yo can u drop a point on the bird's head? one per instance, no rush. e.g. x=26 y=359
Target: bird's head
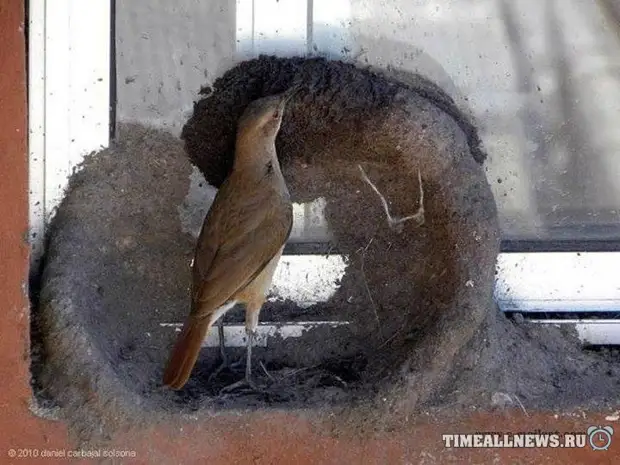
x=262 y=117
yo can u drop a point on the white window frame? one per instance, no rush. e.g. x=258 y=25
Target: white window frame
x=68 y=99
x=69 y=117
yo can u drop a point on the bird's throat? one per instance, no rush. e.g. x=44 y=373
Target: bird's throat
x=254 y=153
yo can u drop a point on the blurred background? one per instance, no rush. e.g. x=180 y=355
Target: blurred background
x=541 y=79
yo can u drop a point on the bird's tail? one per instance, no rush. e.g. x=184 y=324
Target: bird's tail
x=185 y=352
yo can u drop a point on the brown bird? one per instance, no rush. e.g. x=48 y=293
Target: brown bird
x=241 y=240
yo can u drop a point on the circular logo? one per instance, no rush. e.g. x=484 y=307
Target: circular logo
x=600 y=437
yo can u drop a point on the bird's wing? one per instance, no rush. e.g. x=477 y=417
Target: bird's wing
x=238 y=240
x=208 y=240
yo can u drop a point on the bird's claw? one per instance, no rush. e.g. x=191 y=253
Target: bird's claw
x=225 y=366
x=248 y=383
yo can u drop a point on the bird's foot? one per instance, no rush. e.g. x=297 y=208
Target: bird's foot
x=225 y=365
x=246 y=385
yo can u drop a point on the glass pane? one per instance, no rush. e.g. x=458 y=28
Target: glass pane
x=542 y=80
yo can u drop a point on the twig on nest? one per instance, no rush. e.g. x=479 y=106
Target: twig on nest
x=397 y=223
x=372 y=301
x=265 y=370
x=521 y=405
x=392 y=337
x=339 y=379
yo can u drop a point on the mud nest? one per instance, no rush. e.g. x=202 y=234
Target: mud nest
x=419 y=292
x=422 y=324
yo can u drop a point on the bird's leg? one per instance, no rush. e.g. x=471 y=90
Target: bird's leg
x=247 y=381
x=251 y=323
x=220 y=333
x=225 y=362
x=254 y=296
x=251 y=320
x=248 y=360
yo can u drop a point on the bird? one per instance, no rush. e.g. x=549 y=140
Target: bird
x=241 y=240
